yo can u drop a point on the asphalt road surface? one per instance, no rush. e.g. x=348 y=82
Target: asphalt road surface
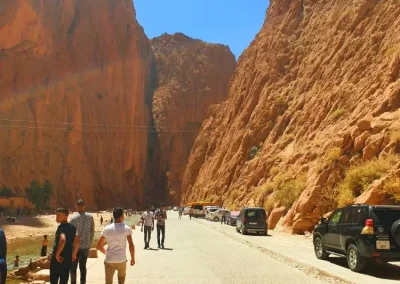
x=197 y=254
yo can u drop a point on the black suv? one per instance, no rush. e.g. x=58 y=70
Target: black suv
x=252 y=220
x=362 y=233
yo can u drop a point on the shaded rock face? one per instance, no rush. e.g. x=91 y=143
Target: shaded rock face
x=76 y=81
x=315 y=71
x=192 y=75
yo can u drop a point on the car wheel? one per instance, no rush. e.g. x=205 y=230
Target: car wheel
x=216 y=219
x=237 y=230
x=265 y=233
x=319 y=250
x=355 y=261
x=243 y=231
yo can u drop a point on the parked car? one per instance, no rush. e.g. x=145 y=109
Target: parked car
x=209 y=211
x=362 y=233
x=176 y=208
x=232 y=218
x=252 y=220
x=186 y=210
x=216 y=216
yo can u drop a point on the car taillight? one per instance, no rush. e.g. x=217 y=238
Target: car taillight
x=369 y=227
x=244 y=220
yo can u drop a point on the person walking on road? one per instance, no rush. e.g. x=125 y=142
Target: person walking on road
x=65 y=249
x=116 y=234
x=223 y=216
x=148 y=224
x=161 y=216
x=84 y=224
x=180 y=212
x=3 y=257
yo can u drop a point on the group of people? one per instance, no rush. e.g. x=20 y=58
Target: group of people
x=73 y=241
x=147 y=221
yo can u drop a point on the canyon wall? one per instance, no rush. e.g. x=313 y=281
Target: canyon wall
x=315 y=95
x=192 y=75
x=77 y=79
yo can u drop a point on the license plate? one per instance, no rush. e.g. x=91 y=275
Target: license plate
x=253 y=223
x=383 y=244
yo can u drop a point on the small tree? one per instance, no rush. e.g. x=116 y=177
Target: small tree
x=7 y=192
x=39 y=195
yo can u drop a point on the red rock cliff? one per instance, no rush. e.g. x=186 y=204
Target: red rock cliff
x=75 y=97
x=300 y=89
x=192 y=75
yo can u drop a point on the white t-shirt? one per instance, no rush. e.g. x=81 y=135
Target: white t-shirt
x=116 y=234
x=148 y=218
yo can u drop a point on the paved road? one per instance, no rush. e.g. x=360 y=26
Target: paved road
x=200 y=254
x=298 y=252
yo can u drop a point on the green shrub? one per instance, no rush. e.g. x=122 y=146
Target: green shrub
x=274 y=171
x=253 y=151
x=392 y=188
x=289 y=190
x=269 y=205
x=332 y=155
x=337 y=113
x=360 y=177
x=328 y=198
x=281 y=104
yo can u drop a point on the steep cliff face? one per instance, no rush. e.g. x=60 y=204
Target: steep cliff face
x=315 y=93
x=192 y=75
x=75 y=99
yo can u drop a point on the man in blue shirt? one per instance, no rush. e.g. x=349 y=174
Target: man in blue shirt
x=3 y=257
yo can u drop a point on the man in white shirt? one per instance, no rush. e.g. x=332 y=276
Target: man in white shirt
x=116 y=235
x=148 y=224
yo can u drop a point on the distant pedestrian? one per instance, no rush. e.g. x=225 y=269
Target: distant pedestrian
x=43 y=251
x=223 y=216
x=117 y=235
x=3 y=257
x=147 y=221
x=65 y=249
x=161 y=216
x=101 y=220
x=84 y=224
x=180 y=212
x=16 y=261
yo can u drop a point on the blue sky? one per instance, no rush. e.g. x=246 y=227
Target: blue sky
x=234 y=22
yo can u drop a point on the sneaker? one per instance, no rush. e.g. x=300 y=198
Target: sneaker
x=162 y=247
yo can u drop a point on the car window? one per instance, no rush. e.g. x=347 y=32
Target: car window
x=255 y=213
x=198 y=207
x=335 y=218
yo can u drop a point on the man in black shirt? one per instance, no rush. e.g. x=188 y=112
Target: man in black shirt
x=65 y=249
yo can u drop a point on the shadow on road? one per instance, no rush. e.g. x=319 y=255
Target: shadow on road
x=382 y=271
x=167 y=249
x=154 y=249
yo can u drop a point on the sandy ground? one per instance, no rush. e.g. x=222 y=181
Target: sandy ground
x=42 y=225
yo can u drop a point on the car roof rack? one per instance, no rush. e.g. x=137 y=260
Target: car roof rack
x=358 y=204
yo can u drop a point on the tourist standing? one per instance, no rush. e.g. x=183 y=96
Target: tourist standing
x=43 y=251
x=101 y=220
x=116 y=234
x=223 y=216
x=84 y=224
x=161 y=216
x=3 y=257
x=65 y=249
x=148 y=224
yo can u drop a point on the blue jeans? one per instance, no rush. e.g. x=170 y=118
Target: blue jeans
x=3 y=271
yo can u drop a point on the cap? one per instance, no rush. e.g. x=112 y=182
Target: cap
x=80 y=202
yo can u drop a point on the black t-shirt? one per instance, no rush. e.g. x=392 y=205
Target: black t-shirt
x=69 y=231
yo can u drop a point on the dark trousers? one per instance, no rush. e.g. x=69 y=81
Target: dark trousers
x=81 y=258
x=223 y=219
x=147 y=235
x=59 y=271
x=160 y=230
x=3 y=271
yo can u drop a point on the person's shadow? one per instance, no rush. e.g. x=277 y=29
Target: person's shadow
x=167 y=249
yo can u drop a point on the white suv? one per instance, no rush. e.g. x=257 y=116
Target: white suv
x=216 y=216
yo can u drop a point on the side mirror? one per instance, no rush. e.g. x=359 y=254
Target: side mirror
x=324 y=221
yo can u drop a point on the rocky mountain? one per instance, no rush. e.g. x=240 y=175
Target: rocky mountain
x=77 y=79
x=192 y=75
x=312 y=119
